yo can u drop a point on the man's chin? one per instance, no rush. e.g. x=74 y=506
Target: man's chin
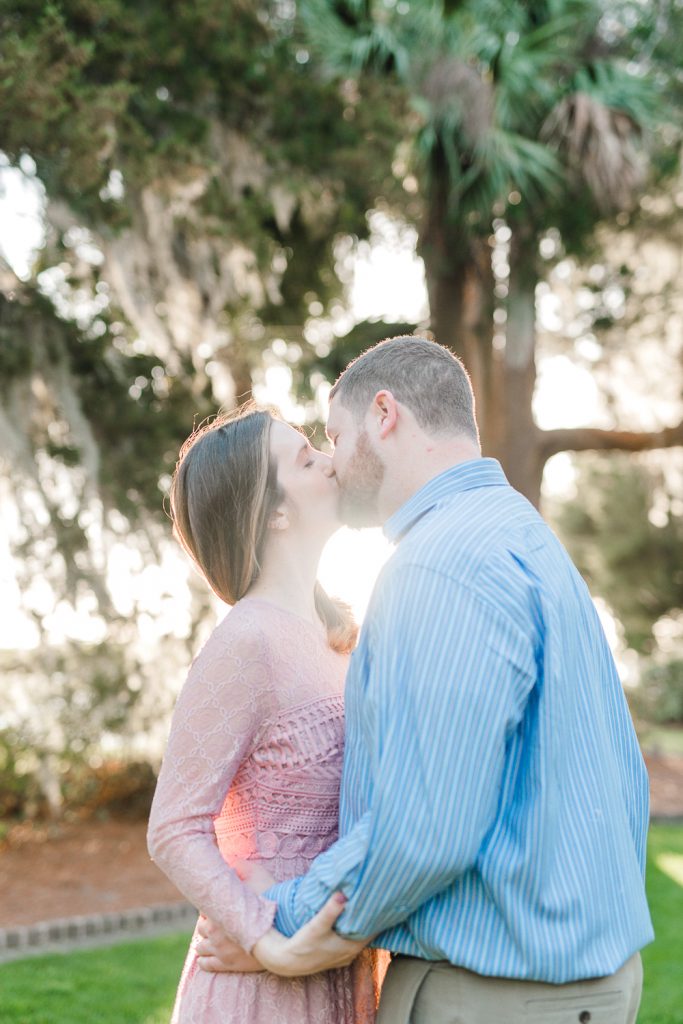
x=359 y=517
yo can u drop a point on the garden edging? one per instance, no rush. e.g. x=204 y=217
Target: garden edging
x=66 y=934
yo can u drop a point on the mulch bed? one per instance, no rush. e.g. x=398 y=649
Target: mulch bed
x=95 y=867
x=81 y=867
x=666 y=785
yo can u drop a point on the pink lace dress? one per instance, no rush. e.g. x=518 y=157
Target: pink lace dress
x=252 y=770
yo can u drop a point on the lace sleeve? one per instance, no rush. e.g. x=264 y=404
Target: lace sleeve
x=222 y=705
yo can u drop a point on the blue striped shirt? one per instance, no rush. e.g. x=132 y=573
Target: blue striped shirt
x=494 y=802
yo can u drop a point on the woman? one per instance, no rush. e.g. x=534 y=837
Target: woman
x=253 y=762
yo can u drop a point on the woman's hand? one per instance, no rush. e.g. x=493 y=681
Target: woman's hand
x=315 y=947
x=217 y=953
x=254 y=875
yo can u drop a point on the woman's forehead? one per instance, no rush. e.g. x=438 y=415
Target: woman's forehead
x=285 y=439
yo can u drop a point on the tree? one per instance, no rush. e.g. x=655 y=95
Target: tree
x=625 y=534
x=624 y=530
x=88 y=432
x=624 y=523
x=526 y=117
x=195 y=170
x=200 y=152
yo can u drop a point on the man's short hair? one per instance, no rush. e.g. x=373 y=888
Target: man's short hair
x=423 y=375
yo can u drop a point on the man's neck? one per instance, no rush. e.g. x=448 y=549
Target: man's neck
x=424 y=464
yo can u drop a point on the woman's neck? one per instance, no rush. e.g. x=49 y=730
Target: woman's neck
x=288 y=578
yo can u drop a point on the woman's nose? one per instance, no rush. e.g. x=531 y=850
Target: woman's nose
x=328 y=469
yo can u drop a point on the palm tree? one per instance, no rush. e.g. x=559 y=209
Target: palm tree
x=524 y=115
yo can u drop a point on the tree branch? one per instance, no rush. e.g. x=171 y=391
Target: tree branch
x=581 y=439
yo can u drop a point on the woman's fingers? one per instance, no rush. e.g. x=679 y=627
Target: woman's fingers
x=324 y=920
x=224 y=955
x=212 y=965
x=314 y=947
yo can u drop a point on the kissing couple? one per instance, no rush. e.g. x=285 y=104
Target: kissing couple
x=459 y=785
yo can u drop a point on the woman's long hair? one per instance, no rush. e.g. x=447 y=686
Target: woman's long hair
x=223 y=493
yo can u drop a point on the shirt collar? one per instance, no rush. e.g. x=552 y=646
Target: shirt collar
x=466 y=476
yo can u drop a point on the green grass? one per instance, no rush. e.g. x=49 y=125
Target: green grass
x=128 y=984
x=662 y=739
x=662 y=1001
x=135 y=983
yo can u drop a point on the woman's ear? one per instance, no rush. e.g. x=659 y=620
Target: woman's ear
x=279 y=520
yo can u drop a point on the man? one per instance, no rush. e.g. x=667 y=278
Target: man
x=494 y=800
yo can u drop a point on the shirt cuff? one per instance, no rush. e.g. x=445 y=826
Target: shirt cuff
x=284 y=894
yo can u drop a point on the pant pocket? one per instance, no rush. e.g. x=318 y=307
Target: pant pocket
x=592 y=1008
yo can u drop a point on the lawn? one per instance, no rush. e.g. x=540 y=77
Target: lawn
x=127 y=984
x=134 y=983
x=663 y=960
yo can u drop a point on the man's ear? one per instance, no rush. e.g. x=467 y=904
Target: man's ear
x=384 y=411
x=279 y=520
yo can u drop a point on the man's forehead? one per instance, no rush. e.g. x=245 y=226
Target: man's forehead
x=341 y=418
x=337 y=413
x=333 y=414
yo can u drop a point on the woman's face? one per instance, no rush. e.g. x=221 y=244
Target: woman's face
x=307 y=479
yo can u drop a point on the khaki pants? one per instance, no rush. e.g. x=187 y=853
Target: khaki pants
x=427 y=992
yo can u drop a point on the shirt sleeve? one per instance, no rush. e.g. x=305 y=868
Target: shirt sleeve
x=219 y=711
x=447 y=679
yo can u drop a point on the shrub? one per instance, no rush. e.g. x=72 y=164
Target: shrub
x=659 y=697
x=20 y=792
x=118 y=788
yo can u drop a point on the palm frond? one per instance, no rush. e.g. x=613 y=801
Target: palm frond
x=527 y=165
x=598 y=144
x=347 y=49
x=509 y=96
x=599 y=127
x=381 y=37
x=617 y=85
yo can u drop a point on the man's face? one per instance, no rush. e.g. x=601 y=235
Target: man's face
x=358 y=468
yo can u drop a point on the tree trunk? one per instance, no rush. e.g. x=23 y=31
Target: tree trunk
x=516 y=441
x=460 y=286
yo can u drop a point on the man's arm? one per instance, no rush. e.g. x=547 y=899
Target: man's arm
x=449 y=678
x=315 y=947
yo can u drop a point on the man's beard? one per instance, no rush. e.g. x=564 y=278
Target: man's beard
x=359 y=488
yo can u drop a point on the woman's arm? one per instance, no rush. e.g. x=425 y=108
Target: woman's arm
x=222 y=705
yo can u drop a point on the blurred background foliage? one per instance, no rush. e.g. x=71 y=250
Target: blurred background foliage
x=206 y=177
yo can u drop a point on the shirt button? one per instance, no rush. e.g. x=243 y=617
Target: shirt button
x=584 y=1017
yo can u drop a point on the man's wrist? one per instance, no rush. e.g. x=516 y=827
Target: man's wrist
x=284 y=894
x=268 y=951
x=262 y=950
